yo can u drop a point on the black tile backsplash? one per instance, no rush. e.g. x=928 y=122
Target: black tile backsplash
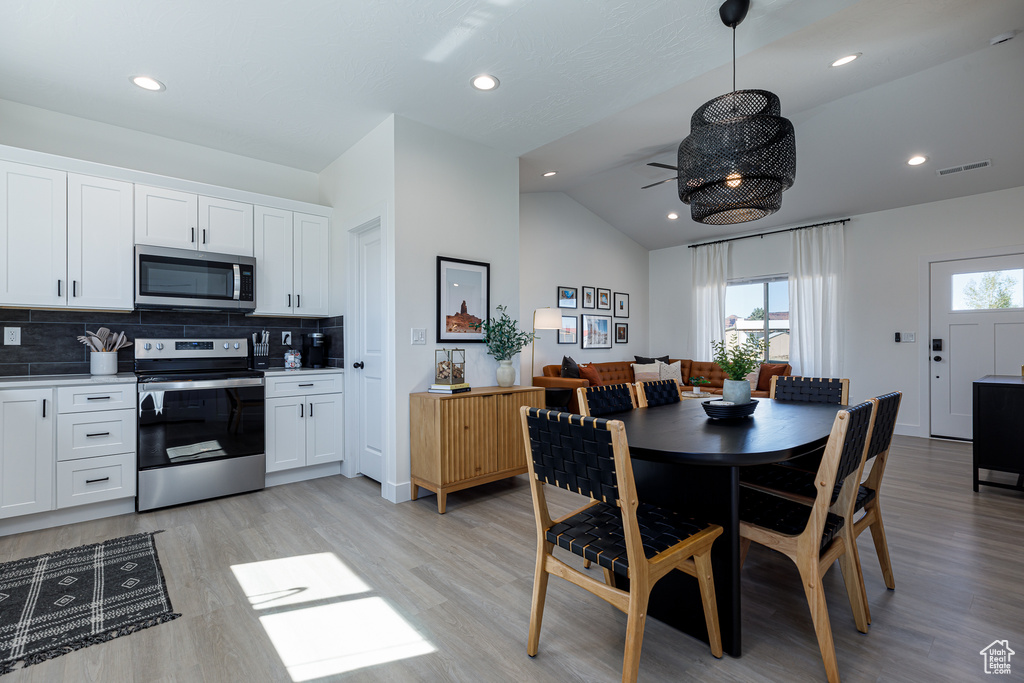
x=49 y=344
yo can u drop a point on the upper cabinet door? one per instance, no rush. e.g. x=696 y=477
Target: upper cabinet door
x=100 y=268
x=166 y=218
x=273 y=252
x=33 y=236
x=225 y=227
x=312 y=265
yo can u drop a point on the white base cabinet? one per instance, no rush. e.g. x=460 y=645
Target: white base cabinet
x=26 y=451
x=305 y=420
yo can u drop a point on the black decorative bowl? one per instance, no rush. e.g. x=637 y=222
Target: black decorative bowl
x=722 y=410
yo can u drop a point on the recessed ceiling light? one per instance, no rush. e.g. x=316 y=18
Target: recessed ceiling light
x=484 y=82
x=917 y=160
x=846 y=60
x=672 y=216
x=148 y=83
x=550 y=173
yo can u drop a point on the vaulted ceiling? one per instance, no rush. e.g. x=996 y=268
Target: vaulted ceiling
x=593 y=90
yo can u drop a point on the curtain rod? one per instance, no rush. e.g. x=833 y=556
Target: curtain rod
x=841 y=221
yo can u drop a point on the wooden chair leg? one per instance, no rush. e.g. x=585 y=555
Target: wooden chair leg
x=540 y=589
x=853 y=578
x=706 y=579
x=609 y=577
x=636 y=617
x=744 y=549
x=586 y=564
x=881 y=547
x=815 y=592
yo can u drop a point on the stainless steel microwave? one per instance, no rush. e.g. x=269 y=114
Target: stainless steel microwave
x=185 y=278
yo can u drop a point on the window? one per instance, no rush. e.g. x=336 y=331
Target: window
x=746 y=302
x=988 y=290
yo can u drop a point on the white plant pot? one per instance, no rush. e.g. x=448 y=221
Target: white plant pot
x=736 y=391
x=103 y=362
x=696 y=389
x=506 y=373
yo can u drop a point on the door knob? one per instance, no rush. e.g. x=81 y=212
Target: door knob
x=937 y=358
x=358 y=365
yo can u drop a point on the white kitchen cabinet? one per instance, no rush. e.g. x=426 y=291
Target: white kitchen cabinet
x=292 y=263
x=100 y=270
x=305 y=429
x=33 y=236
x=225 y=227
x=26 y=451
x=166 y=218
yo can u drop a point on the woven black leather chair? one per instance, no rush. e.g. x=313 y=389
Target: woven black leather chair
x=590 y=456
x=813 y=536
x=606 y=399
x=659 y=393
x=810 y=389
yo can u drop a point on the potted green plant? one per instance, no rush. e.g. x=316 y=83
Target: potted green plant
x=737 y=362
x=698 y=382
x=504 y=339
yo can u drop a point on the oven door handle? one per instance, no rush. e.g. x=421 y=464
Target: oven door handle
x=202 y=384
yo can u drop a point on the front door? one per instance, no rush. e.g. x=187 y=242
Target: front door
x=977 y=329
x=367 y=367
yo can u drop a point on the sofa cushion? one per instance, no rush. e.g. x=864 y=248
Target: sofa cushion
x=644 y=360
x=615 y=372
x=590 y=373
x=709 y=371
x=768 y=370
x=647 y=372
x=671 y=371
x=569 y=368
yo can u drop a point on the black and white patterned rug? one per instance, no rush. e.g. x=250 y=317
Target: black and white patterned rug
x=60 y=602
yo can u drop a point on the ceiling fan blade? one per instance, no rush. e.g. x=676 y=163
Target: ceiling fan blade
x=671 y=168
x=660 y=182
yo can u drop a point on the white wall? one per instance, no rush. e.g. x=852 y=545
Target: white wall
x=47 y=131
x=563 y=243
x=885 y=253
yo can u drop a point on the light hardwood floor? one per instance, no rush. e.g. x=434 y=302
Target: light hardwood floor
x=463 y=581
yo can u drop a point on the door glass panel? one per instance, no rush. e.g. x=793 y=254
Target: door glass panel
x=988 y=290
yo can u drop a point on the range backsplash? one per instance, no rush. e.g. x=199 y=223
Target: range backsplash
x=49 y=344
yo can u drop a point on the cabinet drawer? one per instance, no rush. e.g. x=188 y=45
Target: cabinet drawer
x=96 y=479
x=88 y=435
x=95 y=397
x=304 y=385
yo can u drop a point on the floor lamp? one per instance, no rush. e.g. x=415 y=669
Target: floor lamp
x=543 y=319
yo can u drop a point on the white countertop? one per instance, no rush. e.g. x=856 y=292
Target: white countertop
x=285 y=371
x=27 y=381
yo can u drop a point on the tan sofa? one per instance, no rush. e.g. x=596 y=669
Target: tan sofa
x=617 y=372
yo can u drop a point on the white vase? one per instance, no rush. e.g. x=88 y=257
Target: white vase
x=103 y=362
x=736 y=391
x=506 y=373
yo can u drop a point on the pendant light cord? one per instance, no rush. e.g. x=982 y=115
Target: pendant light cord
x=734 y=59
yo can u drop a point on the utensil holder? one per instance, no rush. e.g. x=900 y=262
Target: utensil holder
x=103 y=362
x=261 y=356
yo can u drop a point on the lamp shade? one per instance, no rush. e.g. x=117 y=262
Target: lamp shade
x=547 y=319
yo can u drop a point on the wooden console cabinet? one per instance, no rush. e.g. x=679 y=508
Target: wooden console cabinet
x=467 y=439
x=998 y=434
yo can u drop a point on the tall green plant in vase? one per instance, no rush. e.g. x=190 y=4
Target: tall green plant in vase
x=504 y=339
x=737 y=362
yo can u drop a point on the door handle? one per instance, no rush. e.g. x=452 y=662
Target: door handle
x=298 y=301
x=937 y=358
x=193 y=235
x=302 y=410
x=74 y=288
x=204 y=236
x=358 y=365
x=44 y=407
x=289 y=301
x=311 y=410
x=58 y=287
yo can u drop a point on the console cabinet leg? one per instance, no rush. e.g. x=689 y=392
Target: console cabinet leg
x=414 y=490
x=442 y=500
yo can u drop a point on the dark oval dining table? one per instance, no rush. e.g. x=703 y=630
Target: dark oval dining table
x=686 y=461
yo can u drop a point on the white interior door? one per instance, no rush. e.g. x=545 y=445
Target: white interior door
x=977 y=329
x=367 y=366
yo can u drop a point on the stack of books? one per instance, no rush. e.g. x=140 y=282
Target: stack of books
x=449 y=388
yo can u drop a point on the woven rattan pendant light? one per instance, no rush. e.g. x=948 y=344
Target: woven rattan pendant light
x=740 y=155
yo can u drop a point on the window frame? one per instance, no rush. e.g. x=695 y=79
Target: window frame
x=763 y=280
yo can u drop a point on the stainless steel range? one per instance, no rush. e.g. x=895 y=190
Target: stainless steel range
x=201 y=421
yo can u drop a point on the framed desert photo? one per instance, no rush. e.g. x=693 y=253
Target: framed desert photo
x=566 y=297
x=621 y=333
x=589 y=297
x=597 y=331
x=621 y=305
x=604 y=299
x=463 y=299
x=567 y=334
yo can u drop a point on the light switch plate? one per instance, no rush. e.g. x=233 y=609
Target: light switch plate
x=12 y=336
x=909 y=337
x=418 y=335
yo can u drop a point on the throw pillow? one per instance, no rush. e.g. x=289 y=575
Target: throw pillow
x=569 y=368
x=646 y=372
x=643 y=360
x=672 y=371
x=589 y=372
x=768 y=370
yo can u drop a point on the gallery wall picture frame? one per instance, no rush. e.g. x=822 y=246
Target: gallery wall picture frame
x=597 y=331
x=621 y=333
x=604 y=299
x=589 y=297
x=567 y=333
x=567 y=297
x=463 y=299
x=620 y=306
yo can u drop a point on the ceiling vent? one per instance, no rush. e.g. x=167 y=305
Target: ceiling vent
x=965 y=167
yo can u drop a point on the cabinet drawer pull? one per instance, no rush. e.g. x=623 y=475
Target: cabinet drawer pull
x=96 y=481
x=308 y=385
x=97 y=434
x=97 y=398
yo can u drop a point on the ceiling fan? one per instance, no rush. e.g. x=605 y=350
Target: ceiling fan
x=666 y=180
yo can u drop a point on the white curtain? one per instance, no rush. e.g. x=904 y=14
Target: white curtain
x=815 y=300
x=710 y=271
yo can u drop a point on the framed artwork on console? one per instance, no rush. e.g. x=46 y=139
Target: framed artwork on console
x=604 y=299
x=621 y=309
x=621 y=333
x=567 y=333
x=463 y=299
x=597 y=331
x=589 y=297
x=566 y=297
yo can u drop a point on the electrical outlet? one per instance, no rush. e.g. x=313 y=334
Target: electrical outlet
x=419 y=335
x=286 y=338
x=12 y=336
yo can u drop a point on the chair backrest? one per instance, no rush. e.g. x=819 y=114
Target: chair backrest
x=881 y=436
x=606 y=399
x=810 y=389
x=659 y=393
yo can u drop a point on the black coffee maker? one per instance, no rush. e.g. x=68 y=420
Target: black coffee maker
x=314 y=349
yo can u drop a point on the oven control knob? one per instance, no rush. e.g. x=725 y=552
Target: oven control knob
x=159 y=347
x=147 y=346
x=236 y=345
x=225 y=345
